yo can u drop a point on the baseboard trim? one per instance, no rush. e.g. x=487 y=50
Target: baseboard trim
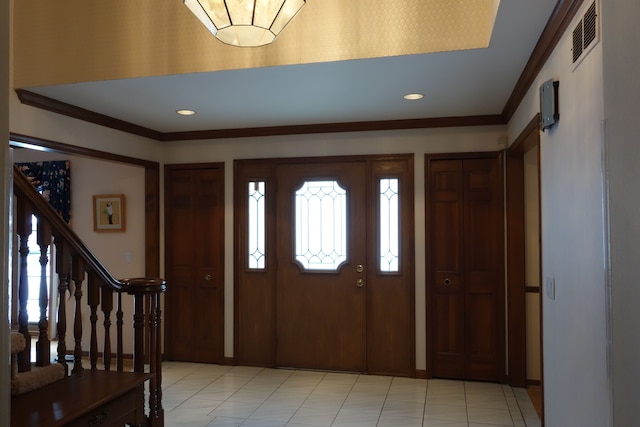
x=421 y=374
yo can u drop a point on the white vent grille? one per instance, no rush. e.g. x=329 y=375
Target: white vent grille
x=577 y=42
x=585 y=34
x=590 y=25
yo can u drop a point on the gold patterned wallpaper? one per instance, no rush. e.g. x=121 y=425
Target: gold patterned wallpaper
x=68 y=41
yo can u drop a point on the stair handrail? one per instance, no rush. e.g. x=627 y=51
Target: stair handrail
x=141 y=285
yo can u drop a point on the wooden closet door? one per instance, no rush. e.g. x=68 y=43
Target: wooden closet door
x=483 y=260
x=465 y=286
x=446 y=281
x=194 y=232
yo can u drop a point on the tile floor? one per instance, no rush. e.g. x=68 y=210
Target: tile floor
x=198 y=395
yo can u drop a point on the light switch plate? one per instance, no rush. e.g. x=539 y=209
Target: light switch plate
x=551 y=287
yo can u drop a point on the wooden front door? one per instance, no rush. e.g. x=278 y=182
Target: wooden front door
x=342 y=296
x=321 y=278
x=465 y=285
x=194 y=233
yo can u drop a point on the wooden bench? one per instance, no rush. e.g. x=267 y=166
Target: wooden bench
x=91 y=398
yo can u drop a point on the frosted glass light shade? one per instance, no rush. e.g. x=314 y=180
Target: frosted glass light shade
x=249 y=23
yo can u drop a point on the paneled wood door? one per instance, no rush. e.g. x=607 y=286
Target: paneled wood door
x=321 y=279
x=194 y=234
x=465 y=287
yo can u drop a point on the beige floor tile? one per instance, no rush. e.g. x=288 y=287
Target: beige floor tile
x=199 y=395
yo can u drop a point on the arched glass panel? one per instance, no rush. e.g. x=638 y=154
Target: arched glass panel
x=321 y=225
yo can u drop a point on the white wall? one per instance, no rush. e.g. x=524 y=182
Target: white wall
x=621 y=39
x=121 y=253
x=576 y=384
x=4 y=213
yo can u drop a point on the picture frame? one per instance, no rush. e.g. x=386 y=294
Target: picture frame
x=109 y=213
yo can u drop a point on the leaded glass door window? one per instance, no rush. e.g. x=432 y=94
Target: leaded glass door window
x=321 y=225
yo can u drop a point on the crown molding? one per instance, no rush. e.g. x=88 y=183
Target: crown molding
x=17 y=140
x=45 y=103
x=437 y=122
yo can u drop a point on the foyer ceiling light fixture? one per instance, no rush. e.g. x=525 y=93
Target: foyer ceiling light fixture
x=247 y=23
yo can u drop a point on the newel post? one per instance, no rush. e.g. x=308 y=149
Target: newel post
x=147 y=312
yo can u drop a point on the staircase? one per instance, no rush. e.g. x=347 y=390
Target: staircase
x=52 y=391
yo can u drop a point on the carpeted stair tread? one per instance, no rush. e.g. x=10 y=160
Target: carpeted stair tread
x=38 y=377
x=18 y=343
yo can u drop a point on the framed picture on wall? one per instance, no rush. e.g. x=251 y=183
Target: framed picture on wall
x=108 y=212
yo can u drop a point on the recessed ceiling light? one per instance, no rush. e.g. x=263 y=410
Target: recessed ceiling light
x=413 y=96
x=185 y=112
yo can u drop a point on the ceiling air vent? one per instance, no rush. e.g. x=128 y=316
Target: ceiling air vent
x=585 y=34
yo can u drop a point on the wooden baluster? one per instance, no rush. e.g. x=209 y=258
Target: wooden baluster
x=43 y=345
x=93 y=299
x=148 y=304
x=119 y=338
x=77 y=275
x=107 y=307
x=23 y=229
x=62 y=268
x=119 y=342
x=156 y=412
x=138 y=333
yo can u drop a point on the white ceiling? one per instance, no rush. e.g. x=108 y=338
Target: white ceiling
x=460 y=83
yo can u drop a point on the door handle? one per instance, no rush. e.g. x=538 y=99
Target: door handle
x=360 y=282
x=207 y=277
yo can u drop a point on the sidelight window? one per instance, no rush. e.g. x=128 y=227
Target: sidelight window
x=321 y=225
x=389 y=225
x=257 y=221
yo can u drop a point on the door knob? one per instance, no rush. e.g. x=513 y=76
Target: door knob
x=447 y=282
x=360 y=268
x=359 y=283
x=207 y=277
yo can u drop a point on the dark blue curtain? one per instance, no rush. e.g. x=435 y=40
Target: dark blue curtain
x=53 y=181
